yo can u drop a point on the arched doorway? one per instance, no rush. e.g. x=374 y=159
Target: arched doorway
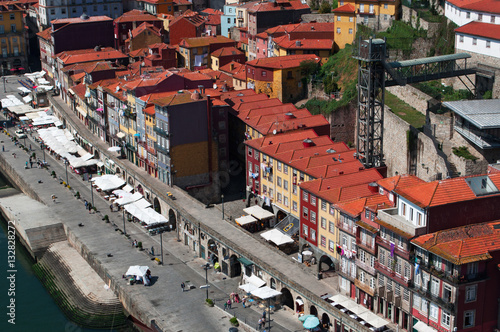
x=130 y=181
x=96 y=154
x=326 y=264
x=280 y=215
x=299 y=305
x=273 y=283
x=325 y=320
x=249 y=199
x=286 y=298
x=213 y=253
x=235 y=266
x=117 y=170
x=156 y=205
x=313 y=311
x=139 y=189
x=172 y=222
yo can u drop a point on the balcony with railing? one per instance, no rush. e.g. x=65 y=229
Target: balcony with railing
x=444 y=302
x=392 y=220
x=397 y=249
x=453 y=278
x=345 y=227
x=391 y=274
x=366 y=245
x=346 y=272
x=160 y=131
x=365 y=266
x=364 y=287
x=161 y=149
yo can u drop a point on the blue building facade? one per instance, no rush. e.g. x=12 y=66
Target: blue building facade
x=228 y=19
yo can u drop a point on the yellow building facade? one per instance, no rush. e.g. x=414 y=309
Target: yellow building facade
x=345 y=25
x=12 y=40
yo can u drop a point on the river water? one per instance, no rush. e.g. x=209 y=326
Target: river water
x=35 y=310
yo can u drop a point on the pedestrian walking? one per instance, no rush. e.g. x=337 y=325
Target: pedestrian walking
x=243 y=300
x=183 y=286
x=14 y=155
x=86 y=203
x=3 y=148
x=90 y=208
x=134 y=244
x=229 y=303
x=259 y=327
x=30 y=147
x=26 y=164
x=225 y=305
x=31 y=164
x=264 y=314
x=153 y=251
x=53 y=198
x=111 y=207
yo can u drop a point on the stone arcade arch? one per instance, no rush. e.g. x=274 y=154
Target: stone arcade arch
x=157 y=206
x=117 y=170
x=213 y=252
x=325 y=319
x=139 y=189
x=326 y=264
x=280 y=215
x=172 y=220
x=313 y=311
x=131 y=181
x=286 y=298
x=299 y=305
x=235 y=267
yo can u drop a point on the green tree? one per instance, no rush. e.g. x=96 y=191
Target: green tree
x=325 y=8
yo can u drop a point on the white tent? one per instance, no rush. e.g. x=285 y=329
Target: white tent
x=374 y=320
x=276 y=237
x=422 y=327
x=142 y=203
x=127 y=198
x=265 y=292
x=108 y=182
x=248 y=287
x=258 y=212
x=245 y=220
x=136 y=270
x=127 y=188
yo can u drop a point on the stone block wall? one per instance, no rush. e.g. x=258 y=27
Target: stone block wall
x=412 y=96
x=411 y=16
x=343 y=124
x=395 y=145
x=320 y=18
x=439 y=125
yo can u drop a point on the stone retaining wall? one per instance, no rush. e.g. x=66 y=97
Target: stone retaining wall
x=320 y=18
x=412 y=96
x=411 y=16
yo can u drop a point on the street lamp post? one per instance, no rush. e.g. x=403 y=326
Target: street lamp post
x=43 y=150
x=222 y=198
x=4 y=89
x=124 y=230
x=91 y=191
x=161 y=247
x=66 y=164
x=206 y=267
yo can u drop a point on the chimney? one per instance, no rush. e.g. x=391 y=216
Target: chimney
x=297 y=43
x=308 y=142
x=231 y=66
x=289 y=116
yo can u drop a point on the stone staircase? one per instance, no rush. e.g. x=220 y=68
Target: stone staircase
x=85 y=310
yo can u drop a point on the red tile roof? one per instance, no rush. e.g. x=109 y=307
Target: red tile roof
x=205 y=41
x=77 y=20
x=301 y=44
x=314 y=27
x=211 y=11
x=277 y=5
x=227 y=67
x=355 y=207
x=143 y=27
x=87 y=55
x=141 y=52
x=149 y=110
x=282 y=62
x=347 y=8
x=480 y=29
x=79 y=90
x=487 y=6
x=45 y=34
x=149 y=98
x=176 y=99
x=136 y=15
x=225 y=51
x=444 y=192
x=213 y=20
x=464 y=244
x=400 y=181
x=191 y=17
x=281 y=29
x=255 y=102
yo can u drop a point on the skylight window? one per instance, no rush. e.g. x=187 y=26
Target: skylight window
x=482 y=185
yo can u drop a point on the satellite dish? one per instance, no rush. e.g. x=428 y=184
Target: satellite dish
x=274 y=131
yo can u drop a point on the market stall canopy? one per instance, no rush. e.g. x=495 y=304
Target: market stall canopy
x=258 y=212
x=22 y=109
x=27 y=99
x=59 y=140
x=108 y=182
x=422 y=327
x=114 y=149
x=376 y=321
x=11 y=101
x=127 y=188
x=244 y=220
x=127 y=198
x=23 y=89
x=142 y=203
x=338 y=299
x=275 y=236
x=265 y=292
x=136 y=270
x=146 y=215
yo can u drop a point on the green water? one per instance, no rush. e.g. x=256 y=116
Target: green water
x=35 y=310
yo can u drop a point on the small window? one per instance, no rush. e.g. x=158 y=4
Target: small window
x=351 y=19
x=305 y=213
x=12 y=16
x=338 y=30
x=386 y=6
x=461 y=39
x=350 y=31
x=479 y=17
x=338 y=18
x=323 y=241
x=468 y=15
x=469 y=318
x=492 y=19
x=474 y=41
x=470 y=293
x=488 y=44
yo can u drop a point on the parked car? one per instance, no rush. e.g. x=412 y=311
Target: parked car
x=20 y=134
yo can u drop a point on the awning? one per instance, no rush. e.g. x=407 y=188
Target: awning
x=120 y=135
x=245 y=220
x=276 y=237
x=338 y=299
x=81 y=111
x=299 y=302
x=127 y=188
x=244 y=261
x=374 y=320
x=265 y=292
x=142 y=203
x=100 y=164
x=422 y=327
x=248 y=287
x=254 y=280
x=258 y=212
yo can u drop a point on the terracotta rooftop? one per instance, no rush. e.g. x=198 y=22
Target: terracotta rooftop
x=448 y=191
x=227 y=67
x=190 y=17
x=347 y=8
x=213 y=20
x=87 y=55
x=282 y=62
x=141 y=52
x=355 y=207
x=149 y=98
x=211 y=11
x=488 y=6
x=277 y=5
x=143 y=27
x=205 y=41
x=79 y=90
x=255 y=102
x=136 y=15
x=481 y=29
x=150 y=110
x=300 y=44
x=77 y=20
x=281 y=29
x=175 y=99
x=314 y=27
x=464 y=244
x=225 y=51
x=45 y=34
x=400 y=181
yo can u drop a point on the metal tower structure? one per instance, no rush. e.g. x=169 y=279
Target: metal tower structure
x=374 y=74
x=371 y=87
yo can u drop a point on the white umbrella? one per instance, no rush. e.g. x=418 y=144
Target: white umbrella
x=136 y=270
x=114 y=149
x=265 y=292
